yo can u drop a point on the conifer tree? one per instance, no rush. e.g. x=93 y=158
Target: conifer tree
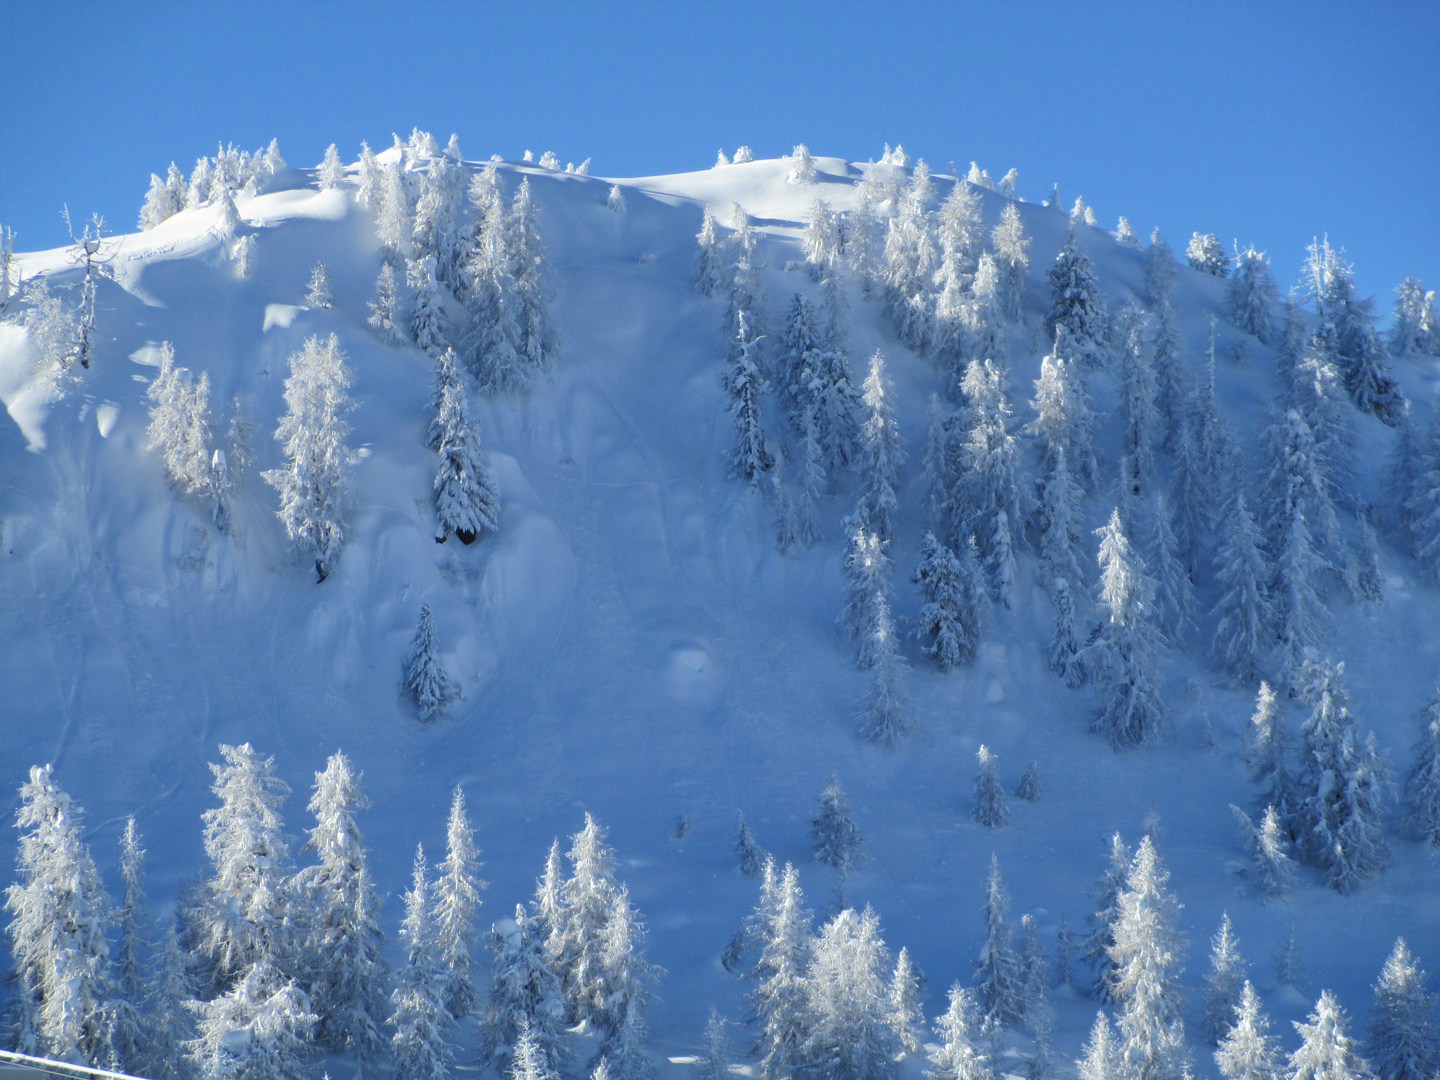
x=1137 y=405
x=745 y=386
x=386 y=310
x=750 y=857
x=1103 y=1055
x=1287 y=960
x=529 y=1061
x=1422 y=784
x=851 y=1037
x=1205 y=253
x=466 y=501
x=247 y=914
x=367 y=183
x=837 y=839
x=910 y=262
x=331 y=172
x=990 y=498
x=997 y=977
x=864 y=241
x=1065 y=416
x=747 y=296
x=779 y=1000
x=1251 y=294
x=820 y=240
x=951 y=613
x=1159 y=269
x=317 y=293
x=1243 y=619
x=903 y=1000
x=1222 y=983
x=577 y=945
x=715 y=1065
x=456 y=900
x=989 y=807
x=1266 y=845
x=259 y=1030
x=1076 y=303
x=427 y=315
x=1174 y=593
x=1125 y=234
x=394 y=213
x=1029 y=786
x=1349 y=323
x=1327 y=1051
x=1172 y=375
x=1064 y=650
x=1060 y=553
x=537 y=343
x=880 y=451
x=167 y=1019
x=180 y=425
x=1146 y=956
x=885 y=713
x=344 y=948
x=493 y=342
x=1414 y=329
x=1010 y=245
x=1247 y=1052
x=129 y=1039
x=955 y=1056
x=1101 y=939
x=314 y=483
x=622 y=988
x=1403 y=1040
x=421 y=1024
x=525 y=995
x=426 y=680
x=867 y=583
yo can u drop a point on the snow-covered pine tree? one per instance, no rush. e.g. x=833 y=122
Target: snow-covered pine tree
x=1102 y=1058
x=989 y=807
x=745 y=387
x=715 y=1063
x=998 y=989
x=387 y=309
x=180 y=425
x=466 y=501
x=864 y=239
x=1287 y=959
x=1251 y=294
x=1174 y=593
x=1422 y=783
x=910 y=263
x=1029 y=786
x=492 y=342
x=880 y=451
x=1125 y=234
x=331 y=173
x=259 y=1030
x=1065 y=416
x=1403 y=1040
x=1248 y=1052
x=525 y=995
x=314 y=482
x=1415 y=327
x=906 y=1016
x=317 y=293
x=394 y=222
x=427 y=313
x=343 y=952
x=427 y=683
x=368 y=179
x=1159 y=269
x=59 y=917
x=885 y=712
x=167 y=1020
x=867 y=585
x=622 y=988
x=1222 y=983
x=1172 y=374
x=1060 y=554
x=1266 y=844
x=1101 y=938
x=1034 y=974
x=1064 y=649
x=750 y=857
x=420 y=1045
x=577 y=941
x=1122 y=656
x=537 y=344
x=1206 y=254
x=1137 y=405
x=1268 y=749
x=1327 y=1052
x=129 y=1039
x=779 y=1000
x=820 y=240
x=1010 y=245
x=745 y=284
x=1340 y=785
x=951 y=614
x=851 y=1035
x=1146 y=956
x=837 y=839
x=1242 y=613
x=1349 y=322
x=960 y=236
x=1076 y=303
x=439 y=207
x=990 y=499
x=457 y=898
x=956 y=1057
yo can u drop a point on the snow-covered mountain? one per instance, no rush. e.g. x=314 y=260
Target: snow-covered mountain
x=631 y=642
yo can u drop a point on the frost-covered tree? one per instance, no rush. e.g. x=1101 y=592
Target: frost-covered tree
x=129 y=1039
x=1174 y=592
x=622 y=988
x=180 y=425
x=419 y=1045
x=1222 y=983
x=880 y=451
x=1348 y=322
x=1060 y=552
x=331 y=173
x=1064 y=649
x=387 y=309
x=426 y=681
x=317 y=292
x=960 y=236
x=989 y=807
x=779 y=1001
x=1242 y=613
x=259 y=1030
x=956 y=1056
x=1147 y=954
x=577 y=936
x=1287 y=960
x=750 y=857
x=1122 y=656
x=343 y=951
x=427 y=313
x=1247 y=1051
x=1251 y=294
x=867 y=585
x=910 y=262
x=989 y=504
x=466 y=502
x=167 y=1020
x=709 y=261
x=1340 y=786
x=314 y=482
x=1327 y=1052
x=59 y=918
x=1138 y=416
x=1011 y=246
x=1415 y=328
x=1266 y=844
x=903 y=1001
x=1159 y=269
x=525 y=997
x=538 y=346
x=457 y=898
x=1172 y=374
x=837 y=839
x=952 y=611
x=864 y=238
x=745 y=387
x=368 y=179
x=1102 y=1058
x=747 y=297
x=851 y=1035
x=1403 y=1039
x=394 y=214
x=1064 y=415
x=1422 y=783
x=492 y=342
x=1206 y=254
x=1029 y=786
x=885 y=713
x=1101 y=939
x=439 y=207
x=715 y=1063
x=998 y=988
x=820 y=240
x=1077 y=304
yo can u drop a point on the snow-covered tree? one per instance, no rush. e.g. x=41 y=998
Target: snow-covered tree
x=331 y=173
x=1159 y=269
x=1422 y=783
x=180 y=425
x=259 y=1030
x=1415 y=329
x=1347 y=322
x=162 y=201
x=427 y=313
x=910 y=262
x=439 y=207
x=1060 y=553
x=167 y=1020
x=1064 y=415
x=880 y=451
x=538 y=346
x=820 y=240
x=1287 y=959
x=1146 y=955
x=1327 y=1052
x=493 y=341
x=1172 y=374
x=1247 y=1051
x=368 y=180
x=466 y=502
x=129 y=1039
x=960 y=236
x=622 y=988
x=1029 y=786
x=837 y=839
x=1174 y=593
x=420 y=1046
x=394 y=214
x=426 y=681
x=1242 y=613
x=317 y=293
x=989 y=807
x=745 y=387
x=750 y=857
x=457 y=897
x=314 y=482
x=885 y=713
x=1251 y=294
x=1101 y=939
x=577 y=926
x=1064 y=649
x=989 y=504
x=998 y=988
x=1077 y=304
x=906 y=1016
x=709 y=262
x=802 y=166
x=59 y=917
x=1137 y=406
x=779 y=1001
x=1266 y=844
x=867 y=585
x=386 y=310
x=952 y=611
x=1340 y=785
x=1403 y=1039
x=955 y=1056
x=1102 y=1058
x=526 y=998
x=1011 y=246
x=1206 y=254
x=832 y=405
x=1222 y=983
x=1122 y=656
x=715 y=1062
x=851 y=1035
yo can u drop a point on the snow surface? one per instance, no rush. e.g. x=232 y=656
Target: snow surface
x=632 y=643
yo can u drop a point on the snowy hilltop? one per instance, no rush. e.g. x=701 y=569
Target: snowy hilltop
x=800 y=617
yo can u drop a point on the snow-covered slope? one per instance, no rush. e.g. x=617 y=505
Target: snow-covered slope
x=631 y=643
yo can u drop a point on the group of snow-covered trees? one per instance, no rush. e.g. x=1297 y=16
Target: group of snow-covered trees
x=264 y=967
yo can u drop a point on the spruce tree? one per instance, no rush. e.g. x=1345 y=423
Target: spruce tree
x=885 y=712
x=955 y=1056
x=128 y=1034
x=951 y=614
x=904 y=1003
x=1349 y=321
x=1064 y=650
x=1102 y=1060
x=420 y=1046
x=1422 y=784
x=997 y=977
x=745 y=387
x=779 y=1000
x=260 y=1030
x=837 y=839
x=1205 y=254
x=427 y=313
x=1060 y=552
x=1076 y=303
x=1174 y=593
x=1266 y=845
x=317 y=293
x=1065 y=416
x=880 y=451
x=466 y=502
x=1010 y=245
x=989 y=503
x=386 y=314
x=167 y=1019
x=1414 y=328
x=180 y=425
x=1327 y=1051
x=820 y=240
x=537 y=344
x=867 y=584
x=910 y=263
x=750 y=858
x=427 y=682
x=1242 y=614
x=1137 y=406
x=1222 y=983
x=1403 y=1040
x=457 y=898
x=715 y=1065
x=1159 y=269
x=1172 y=374
x=851 y=1035
x=1101 y=939
x=525 y=993
x=1248 y=1052
x=1251 y=294
x=989 y=807
x=331 y=173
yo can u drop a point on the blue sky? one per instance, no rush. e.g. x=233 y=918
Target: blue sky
x=1266 y=122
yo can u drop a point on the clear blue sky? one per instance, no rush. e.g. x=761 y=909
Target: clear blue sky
x=1268 y=122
